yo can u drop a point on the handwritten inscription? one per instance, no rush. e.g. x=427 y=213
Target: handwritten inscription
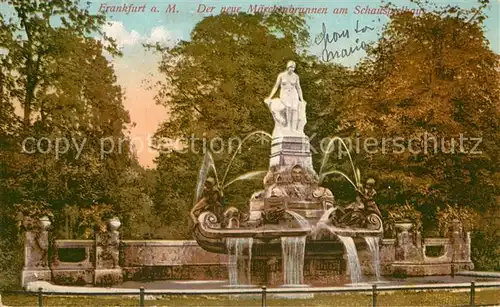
x=326 y=38
x=364 y=29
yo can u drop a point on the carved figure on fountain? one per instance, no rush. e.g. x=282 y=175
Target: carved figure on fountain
x=325 y=196
x=232 y=218
x=293 y=188
x=353 y=216
x=274 y=214
x=368 y=197
x=108 y=245
x=256 y=204
x=289 y=110
x=211 y=201
x=362 y=213
x=292 y=201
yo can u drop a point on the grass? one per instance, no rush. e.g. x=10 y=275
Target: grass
x=403 y=298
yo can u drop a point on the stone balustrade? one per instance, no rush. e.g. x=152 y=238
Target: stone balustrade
x=108 y=260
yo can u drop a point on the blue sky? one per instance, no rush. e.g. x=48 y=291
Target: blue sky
x=180 y=25
x=135 y=28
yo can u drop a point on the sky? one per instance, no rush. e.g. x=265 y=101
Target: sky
x=152 y=23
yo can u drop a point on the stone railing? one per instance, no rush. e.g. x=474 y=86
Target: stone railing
x=431 y=256
x=108 y=260
x=165 y=259
x=73 y=262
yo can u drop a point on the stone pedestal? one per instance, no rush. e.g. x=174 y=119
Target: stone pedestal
x=36 y=249
x=107 y=267
x=460 y=247
x=30 y=275
x=108 y=277
x=403 y=242
x=289 y=151
x=408 y=243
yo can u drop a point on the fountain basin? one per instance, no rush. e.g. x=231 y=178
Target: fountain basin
x=350 y=232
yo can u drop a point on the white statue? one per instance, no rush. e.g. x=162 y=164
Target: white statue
x=289 y=111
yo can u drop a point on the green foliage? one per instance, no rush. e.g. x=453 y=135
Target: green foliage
x=93 y=219
x=466 y=216
x=57 y=74
x=432 y=78
x=485 y=240
x=485 y=250
x=11 y=263
x=11 y=253
x=429 y=79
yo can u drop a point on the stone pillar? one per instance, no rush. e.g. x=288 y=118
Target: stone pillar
x=291 y=150
x=468 y=247
x=107 y=266
x=408 y=251
x=460 y=247
x=403 y=242
x=456 y=239
x=36 y=251
x=418 y=239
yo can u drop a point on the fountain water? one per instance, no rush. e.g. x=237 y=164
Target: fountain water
x=374 y=249
x=352 y=258
x=291 y=187
x=235 y=247
x=293 y=249
x=300 y=219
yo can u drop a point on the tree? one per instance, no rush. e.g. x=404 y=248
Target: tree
x=214 y=86
x=432 y=76
x=203 y=95
x=81 y=106
x=32 y=38
x=57 y=73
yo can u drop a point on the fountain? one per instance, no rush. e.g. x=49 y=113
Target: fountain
x=293 y=259
x=292 y=210
x=293 y=233
x=352 y=257
x=374 y=249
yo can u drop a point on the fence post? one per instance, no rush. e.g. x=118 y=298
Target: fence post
x=374 y=295
x=264 y=298
x=40 y=297
x=472 y=293
x=141 y=296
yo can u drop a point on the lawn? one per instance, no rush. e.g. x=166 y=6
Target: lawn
x=423 y=298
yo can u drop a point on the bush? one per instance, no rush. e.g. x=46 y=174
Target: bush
x=11 y=259
x=485 y=250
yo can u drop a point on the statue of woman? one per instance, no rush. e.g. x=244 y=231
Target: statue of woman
x=289 y=111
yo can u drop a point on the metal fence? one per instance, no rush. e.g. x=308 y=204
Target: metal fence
x=264 y=291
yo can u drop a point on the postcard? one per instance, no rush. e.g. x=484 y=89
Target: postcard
x=226 y=151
